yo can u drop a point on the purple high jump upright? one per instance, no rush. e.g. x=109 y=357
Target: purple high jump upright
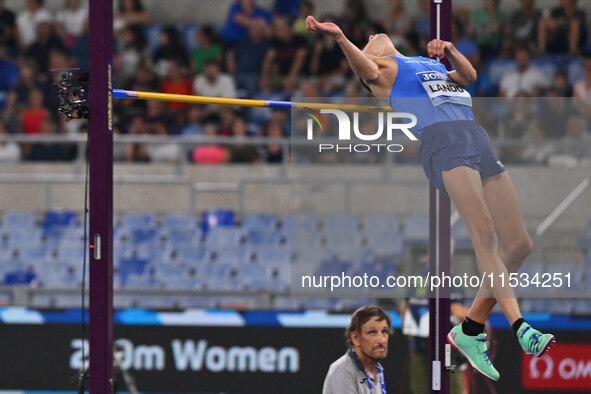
x=439 y=239
x=101 y=197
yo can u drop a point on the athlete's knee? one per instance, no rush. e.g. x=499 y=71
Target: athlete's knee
x=484 y=236
x=517 y=250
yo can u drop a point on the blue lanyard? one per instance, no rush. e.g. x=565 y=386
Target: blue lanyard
x=380 y=372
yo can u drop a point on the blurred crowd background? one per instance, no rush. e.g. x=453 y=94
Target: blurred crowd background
x=267 y=53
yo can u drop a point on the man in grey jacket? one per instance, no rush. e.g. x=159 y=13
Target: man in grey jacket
x=358 y=371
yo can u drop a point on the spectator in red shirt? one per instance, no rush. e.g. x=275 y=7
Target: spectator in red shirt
x=176 y=83
x=34 y=114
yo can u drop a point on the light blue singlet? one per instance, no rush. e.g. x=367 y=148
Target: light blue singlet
x=423 y=88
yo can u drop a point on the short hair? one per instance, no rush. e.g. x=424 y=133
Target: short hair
x=362 y=316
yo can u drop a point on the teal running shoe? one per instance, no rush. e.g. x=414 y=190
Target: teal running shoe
x=475 y=350
x=534 y=342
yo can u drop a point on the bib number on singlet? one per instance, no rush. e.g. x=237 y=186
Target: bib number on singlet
x=441 y=89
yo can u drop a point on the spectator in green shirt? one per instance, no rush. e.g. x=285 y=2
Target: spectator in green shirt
x=486 y=28
x=206 y=49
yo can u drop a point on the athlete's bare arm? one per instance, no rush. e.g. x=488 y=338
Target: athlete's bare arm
x=367 y=67
x=464 y=74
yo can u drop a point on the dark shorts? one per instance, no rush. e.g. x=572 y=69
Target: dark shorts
x=447 y=145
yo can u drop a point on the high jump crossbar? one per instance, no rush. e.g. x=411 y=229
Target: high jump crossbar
x=131 y=94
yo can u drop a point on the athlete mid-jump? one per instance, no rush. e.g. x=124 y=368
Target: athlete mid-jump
x=458 y=159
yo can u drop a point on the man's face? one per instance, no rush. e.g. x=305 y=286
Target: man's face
x=372 y=341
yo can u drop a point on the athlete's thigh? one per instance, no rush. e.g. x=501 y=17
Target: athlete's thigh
x=503 y=203
x=464 y=187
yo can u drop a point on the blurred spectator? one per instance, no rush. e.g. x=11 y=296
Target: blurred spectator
x=213 y=82
x=287 y=7
x=195 y=118
x=206 y=49
x=81 y=50
x=7 y=29
x=227 y=115
x=525 y=78
x=45 y=151
x=261 y=115
x=560 y=83
x=176 y=83
x=273 y=153
x=245 y=60
x=165 y=151
x=554 y=114
x=28 y=81
x=422 y=23
x=209 y=154
x=582 y=88
x=34 y=114
x=242 y=153
x=9 y=72
x=132 y=49
x=523 y=26
x=299 y=24
x=286 y=54
x=28 y=19
x=354 y=22
x=11 y=115
x=517 y=125
x=156 y=112
x=562 y=29
x=171 y=48
x=9 y=151
x=45 y=42
x=243 y=15
x=328 y=62
x=70 y=22
x=136 y=152
x=468 y=48
x=486 y=27
x=131 y=12
x=397 y=23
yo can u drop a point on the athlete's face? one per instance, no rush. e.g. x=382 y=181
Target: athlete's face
x=379 y=45
x=372 y=340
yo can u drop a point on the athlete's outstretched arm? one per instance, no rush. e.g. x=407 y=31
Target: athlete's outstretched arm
x=361 y=64
x=464 y=74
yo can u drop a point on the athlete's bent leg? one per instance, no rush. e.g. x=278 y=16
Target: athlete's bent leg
x=503 y=203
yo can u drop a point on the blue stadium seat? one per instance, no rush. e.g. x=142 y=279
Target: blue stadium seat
x=340 y=223
x=374 y=224
x=179 y=222
x=132 y=265
x=58 y=220
x=379 y=269
x=334 y=268
x=20 y=278
x=217 y=218
x=224 y=237
x=134 y=221
x=301 y=222
x=416 y=230
x=141 y=235
x=17 y=219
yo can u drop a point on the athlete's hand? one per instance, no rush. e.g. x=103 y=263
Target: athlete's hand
x=327 y=27
x=439 y=48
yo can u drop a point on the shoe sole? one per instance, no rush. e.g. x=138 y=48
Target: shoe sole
x=550 y=342
x=469 y=359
